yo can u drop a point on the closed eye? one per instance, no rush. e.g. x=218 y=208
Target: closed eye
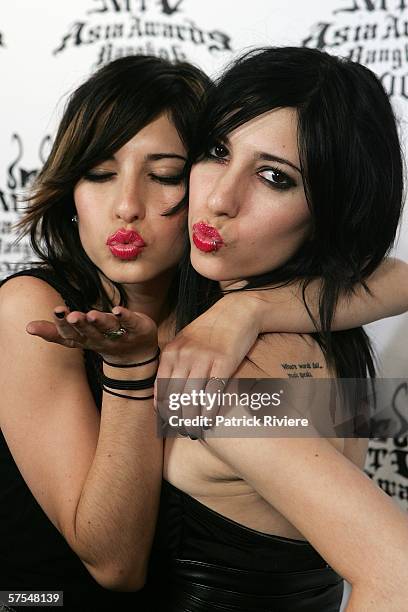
x=174 y=179
x=98 y=177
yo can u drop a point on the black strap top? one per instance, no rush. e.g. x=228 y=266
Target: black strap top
x=205 y=562
x=33 y=553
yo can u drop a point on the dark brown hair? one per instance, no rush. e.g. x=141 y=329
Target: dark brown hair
x=101 y=116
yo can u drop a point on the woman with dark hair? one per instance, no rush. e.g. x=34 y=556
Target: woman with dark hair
x=80 y=459
x=80 y=466
x=299 y=176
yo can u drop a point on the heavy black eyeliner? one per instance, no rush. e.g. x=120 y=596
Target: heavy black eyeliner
x=281 y=186
x=168 y=180
x=98 y=178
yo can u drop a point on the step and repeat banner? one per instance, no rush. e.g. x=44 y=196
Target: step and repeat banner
x=47 y=48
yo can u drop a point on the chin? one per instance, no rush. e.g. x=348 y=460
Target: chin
x=212 y=272
x=127 y=273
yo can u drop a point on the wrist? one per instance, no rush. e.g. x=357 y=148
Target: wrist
x=144 y=356
x=130 y=383
x=138 y=373
x=134 y=369
x=244 y=305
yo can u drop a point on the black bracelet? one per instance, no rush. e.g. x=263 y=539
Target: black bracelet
x=133 y=365
x=131 y=397
x=128 y=385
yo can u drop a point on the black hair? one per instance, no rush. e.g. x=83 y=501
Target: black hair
x=352 y=169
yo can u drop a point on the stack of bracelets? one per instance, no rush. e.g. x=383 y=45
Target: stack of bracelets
x=129 y=385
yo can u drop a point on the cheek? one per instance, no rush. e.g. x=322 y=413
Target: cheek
x=281 y=224
x=169 y=234
x=81 y=197
x=159 y=198
x=87 y=200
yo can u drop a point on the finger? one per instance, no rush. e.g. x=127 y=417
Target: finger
x=196 y=383
x=193 y=388
x=173 y=398
x=219 y=378
x=166 y=366
x=102 y=322
x=48 y=332
x=214 y=390
x=89 y=333
x=132 y=321
x=65 y=329
x=44 y=329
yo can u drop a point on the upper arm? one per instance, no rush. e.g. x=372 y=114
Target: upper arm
x=338 y=509
x=47 y=413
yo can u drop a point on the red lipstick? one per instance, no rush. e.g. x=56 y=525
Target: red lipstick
x=125 y=244
x=206 y=238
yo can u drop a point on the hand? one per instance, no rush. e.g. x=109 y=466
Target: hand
x=212 y=346
x=87 y=331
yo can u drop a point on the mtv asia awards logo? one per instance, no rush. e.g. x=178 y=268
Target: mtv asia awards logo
x=165 y=28
x=19 y=175
x=19 y=178
x=373 y=33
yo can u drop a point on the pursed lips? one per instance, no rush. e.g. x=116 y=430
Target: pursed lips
x=125 y=244
x=206 y=237
x=123 y=236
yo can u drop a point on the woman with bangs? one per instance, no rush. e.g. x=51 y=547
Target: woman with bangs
x=81 y=464
x=299 y=177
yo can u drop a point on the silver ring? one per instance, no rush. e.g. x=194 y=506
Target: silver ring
x=114 y=334
x=216 y=378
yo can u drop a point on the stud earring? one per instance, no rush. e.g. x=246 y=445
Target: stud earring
x=74 y=219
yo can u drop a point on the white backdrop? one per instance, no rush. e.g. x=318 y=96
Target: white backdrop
x=49 y=47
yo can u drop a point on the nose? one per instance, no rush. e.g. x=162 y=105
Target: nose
x=129 y=200
x=225 y=193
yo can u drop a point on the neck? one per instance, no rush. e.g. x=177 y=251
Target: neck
x=232 y=284
x=149 y=298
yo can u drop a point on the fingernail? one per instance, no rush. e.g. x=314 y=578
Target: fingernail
x=60 y=315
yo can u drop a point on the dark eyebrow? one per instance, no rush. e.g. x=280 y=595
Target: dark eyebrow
x=158 y=156
x=152 y=157
x=280 y=160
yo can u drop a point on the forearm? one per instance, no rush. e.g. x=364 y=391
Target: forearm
x=117 y=509
x=366 y=599
x=282 y=309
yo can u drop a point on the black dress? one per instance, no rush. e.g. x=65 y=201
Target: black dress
x=205 y=562
x=33 y=553
x=202 y=561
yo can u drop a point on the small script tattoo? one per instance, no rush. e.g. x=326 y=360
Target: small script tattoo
x=301 y=370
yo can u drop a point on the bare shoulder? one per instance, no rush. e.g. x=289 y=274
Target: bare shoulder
x=47 y=412
x=24 y=299
x=285 y=355
x=29 y=359
x=305 y=380
x=29 y=293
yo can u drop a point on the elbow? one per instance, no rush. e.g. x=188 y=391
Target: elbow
x=119 y=578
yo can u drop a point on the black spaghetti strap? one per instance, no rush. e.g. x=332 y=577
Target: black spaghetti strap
x=50 y=277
